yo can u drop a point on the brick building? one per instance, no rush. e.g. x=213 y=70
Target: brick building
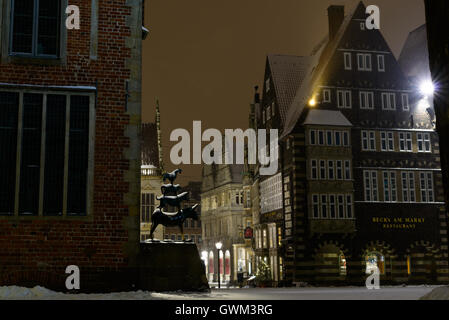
x=359 y=186
x=70 y=112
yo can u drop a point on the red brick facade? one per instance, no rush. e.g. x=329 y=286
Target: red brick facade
x=104 y=243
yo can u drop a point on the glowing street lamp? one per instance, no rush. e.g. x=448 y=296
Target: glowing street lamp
x=218 y=245
x=312 y=102
x=427 y=88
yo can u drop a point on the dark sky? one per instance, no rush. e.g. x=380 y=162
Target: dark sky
x=202 y=58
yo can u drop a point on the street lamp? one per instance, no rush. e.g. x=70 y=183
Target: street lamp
x=427 y=88
x=218 y=245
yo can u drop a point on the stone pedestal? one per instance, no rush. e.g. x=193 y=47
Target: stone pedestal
x=171 y=266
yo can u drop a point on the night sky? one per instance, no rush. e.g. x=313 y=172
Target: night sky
x=202 y=58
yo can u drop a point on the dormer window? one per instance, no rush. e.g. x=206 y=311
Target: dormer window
x=35 y=28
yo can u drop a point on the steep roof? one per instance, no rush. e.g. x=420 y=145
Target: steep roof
x=287 y=73
x=414 y=57
x=148 y=145
x=316 y=68
x=327 y=118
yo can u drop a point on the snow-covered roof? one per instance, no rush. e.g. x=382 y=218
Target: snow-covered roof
x=327 y=118
x=287 y=73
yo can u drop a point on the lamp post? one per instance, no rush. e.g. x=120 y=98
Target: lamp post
x=218 y=245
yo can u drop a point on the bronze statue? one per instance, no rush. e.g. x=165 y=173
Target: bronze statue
x=169 y=219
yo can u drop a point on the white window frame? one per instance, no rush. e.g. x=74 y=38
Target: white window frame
x=364 y=62
x=322 y=169
x=388 y=97
x=366 y=100
x=405 y=102
x=313 y=142
x=347 y=170
x=424 y=142
x=341 y=208
x=390 y=186
x=408 y=186
x=349 y=206
x=370 y=138
x=427 y=188
x=387 y=139
x=324 y=206
x=330 y=169
x=314 y=168
x=327 y=96
x=339 y=170
x=381 y=63
x=329 y=134
x=405 y=139
x=370 y=184
x=347 y=58
x=316 y=206
x=344 y=99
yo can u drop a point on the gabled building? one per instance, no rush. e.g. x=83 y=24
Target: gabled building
x=359 y=187
x=224 y=219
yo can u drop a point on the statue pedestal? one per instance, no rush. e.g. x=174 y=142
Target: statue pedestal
x=171 y=266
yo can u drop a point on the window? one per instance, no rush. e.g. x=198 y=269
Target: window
x=271 y=194
x=426 y=179
x=387 y=141
x=321 y=138
x=264 y=238
x=326 y=96
x=329 y=138
x=345 y=138
x=338 y=138
x=313 y=137
x=405 y=104
x=368 y=140
x=341 y=206
x=344 y=99
x=423 y=140
x=347 y=170
x=332 y=209
x=330 y=170
x=370 y=186
x=405 y=142
x=389 y=179
x=315 y=206
x=364 y=61
x=388 y=101
x=314 y=170
x=324 y=206
x=147 y=207
x=349 y=206
x=35 y=28
x=366 y=100
x=348 y=60
x=43 y=145
x=322 y=170
x=339 y=170
x=381 y=63
x=408 y=187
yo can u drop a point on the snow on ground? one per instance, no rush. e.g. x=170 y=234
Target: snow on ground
x=440 y=293
x=344 y=293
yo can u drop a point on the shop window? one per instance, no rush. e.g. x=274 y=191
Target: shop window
x=375 y=262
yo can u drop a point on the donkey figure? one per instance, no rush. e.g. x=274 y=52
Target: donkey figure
x=171 y=176
x=174 y=201
x=172 y=219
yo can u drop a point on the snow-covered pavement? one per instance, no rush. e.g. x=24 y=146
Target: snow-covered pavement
x=346 y=293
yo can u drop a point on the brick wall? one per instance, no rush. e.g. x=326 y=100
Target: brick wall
x=37 y=250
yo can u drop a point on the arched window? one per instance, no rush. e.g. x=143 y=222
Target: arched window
x=375 y=261
x=211 y=262
x=342 y=264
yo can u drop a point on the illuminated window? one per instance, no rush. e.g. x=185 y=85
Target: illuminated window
x=375 y=262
